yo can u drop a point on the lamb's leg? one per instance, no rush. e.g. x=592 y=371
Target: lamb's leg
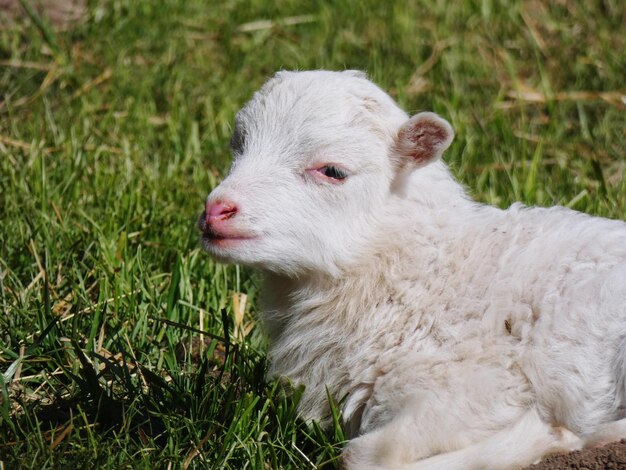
x=610 y=432
x=514 y=447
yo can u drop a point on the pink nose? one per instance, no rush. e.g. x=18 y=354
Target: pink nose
x=218 y=211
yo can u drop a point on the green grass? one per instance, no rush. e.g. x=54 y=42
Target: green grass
x=120 y=343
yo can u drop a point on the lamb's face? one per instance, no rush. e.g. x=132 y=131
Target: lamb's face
x=313 y=163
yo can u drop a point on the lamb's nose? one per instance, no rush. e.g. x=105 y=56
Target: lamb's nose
x=219 y=210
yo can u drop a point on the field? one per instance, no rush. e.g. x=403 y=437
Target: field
x=122 y=345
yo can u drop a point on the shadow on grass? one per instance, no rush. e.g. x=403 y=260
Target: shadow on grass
x=189 y=409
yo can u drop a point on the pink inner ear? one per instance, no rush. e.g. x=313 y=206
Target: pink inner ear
x=424 y=139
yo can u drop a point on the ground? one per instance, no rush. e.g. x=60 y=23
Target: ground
x=611 y=456
x=121 y=344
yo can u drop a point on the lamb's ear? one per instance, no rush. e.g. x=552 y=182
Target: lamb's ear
x=423 y=139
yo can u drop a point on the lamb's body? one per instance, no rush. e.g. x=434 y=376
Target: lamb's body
x=487 y=291
x=454 y=328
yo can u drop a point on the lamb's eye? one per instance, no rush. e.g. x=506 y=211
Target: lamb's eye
x=333 y=172
x=237 y=140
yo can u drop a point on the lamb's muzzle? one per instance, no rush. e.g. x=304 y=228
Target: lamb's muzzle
x=453 y=334
x=216 y=225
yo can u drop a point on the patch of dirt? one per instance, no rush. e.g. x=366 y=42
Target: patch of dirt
x=60 y=13
x=611 y=456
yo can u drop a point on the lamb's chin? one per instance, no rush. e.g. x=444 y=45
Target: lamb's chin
x=229 y=250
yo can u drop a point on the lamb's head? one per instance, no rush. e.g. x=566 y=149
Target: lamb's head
x=315 y=157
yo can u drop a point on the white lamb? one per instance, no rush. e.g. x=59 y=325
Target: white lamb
x=453 y=334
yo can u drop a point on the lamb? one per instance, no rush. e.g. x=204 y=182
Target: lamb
x=454 y=335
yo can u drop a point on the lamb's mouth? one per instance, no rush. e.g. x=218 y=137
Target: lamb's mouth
x=211 y=238
x=218 y=238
